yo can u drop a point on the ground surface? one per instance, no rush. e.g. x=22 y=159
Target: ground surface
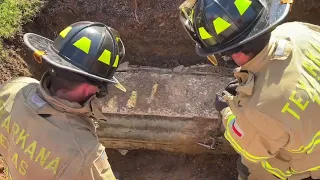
x=150 y=165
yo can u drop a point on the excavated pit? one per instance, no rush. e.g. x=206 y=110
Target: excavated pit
x=153 y=37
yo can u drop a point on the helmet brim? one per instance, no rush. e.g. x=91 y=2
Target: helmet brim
x=274 y=14
x=39 y=43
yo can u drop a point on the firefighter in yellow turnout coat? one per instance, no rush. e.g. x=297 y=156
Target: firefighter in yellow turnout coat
x=272 y=120
x=48 y=128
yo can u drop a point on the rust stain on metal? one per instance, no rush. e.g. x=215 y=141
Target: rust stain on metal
x=132 y=100
x=112 y=105
x=153 y=92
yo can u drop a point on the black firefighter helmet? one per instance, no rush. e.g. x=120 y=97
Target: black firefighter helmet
x=88 y=48
x=221 y=25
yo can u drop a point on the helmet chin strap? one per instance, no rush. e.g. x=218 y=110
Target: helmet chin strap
x=103 y=91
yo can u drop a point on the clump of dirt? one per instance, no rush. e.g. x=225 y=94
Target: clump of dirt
x=151 y=165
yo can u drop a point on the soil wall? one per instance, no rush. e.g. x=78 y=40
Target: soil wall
x=150 y=29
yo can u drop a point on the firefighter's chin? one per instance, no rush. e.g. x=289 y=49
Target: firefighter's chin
x=241 y=58
x=79 y=94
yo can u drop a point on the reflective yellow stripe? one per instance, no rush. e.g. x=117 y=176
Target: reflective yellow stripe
x=315 y=46
x=184 y=11
x=220 y=25
x=242 y=5
x=301 y=149
x=191 y=15
x=310 y=146
x=105 y=57
x=204 y=33
x=237 y=147
x=116 y=62
x=65 y=32
x=312 y=57
x=311 y=169
x=313 y=146
x=312 y=81
x=280 y=174
x=83 y=44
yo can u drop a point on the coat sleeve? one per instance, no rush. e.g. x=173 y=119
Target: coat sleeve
x=99 y=167
x=256 y=137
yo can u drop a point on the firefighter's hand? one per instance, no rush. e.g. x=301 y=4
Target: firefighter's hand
x=232 y=86
x=219 y=103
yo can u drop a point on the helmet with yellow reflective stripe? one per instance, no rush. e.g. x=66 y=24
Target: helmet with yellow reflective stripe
x=87 y=48
x=221 y=25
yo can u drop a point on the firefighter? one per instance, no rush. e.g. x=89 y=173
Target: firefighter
x=48 y=128
x=272 y=120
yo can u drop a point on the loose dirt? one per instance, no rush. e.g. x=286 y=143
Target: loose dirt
x=151 y=165
x=150 y=30
x=12 y=66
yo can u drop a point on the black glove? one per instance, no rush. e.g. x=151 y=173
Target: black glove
x=118 y=175
x=232 y=86
x=219 y=103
